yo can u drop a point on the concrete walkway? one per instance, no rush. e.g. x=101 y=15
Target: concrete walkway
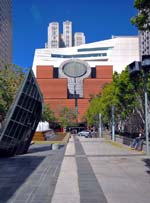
x=95 y=170
x=30 y=178
x=88 y=170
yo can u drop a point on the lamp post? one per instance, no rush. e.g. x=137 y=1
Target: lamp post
x=100 y=125
x=135 y=68
x=146 y=69
x=113 y=123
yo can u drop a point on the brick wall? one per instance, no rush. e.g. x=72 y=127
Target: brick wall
x=93 y=87
x=44 y=72
x=55 y=90
x=103 y=72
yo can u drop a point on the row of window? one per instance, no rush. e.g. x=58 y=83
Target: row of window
x=78 y=55
x=95 y=49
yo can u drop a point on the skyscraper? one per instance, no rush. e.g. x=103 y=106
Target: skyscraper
x=144 y=41
x=53 y=35
x=67 y=33
x=65 y=39
x=5 y=32
x=79 y=38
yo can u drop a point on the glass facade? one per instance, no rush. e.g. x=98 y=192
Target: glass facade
x=5 y=32
x=22 y=118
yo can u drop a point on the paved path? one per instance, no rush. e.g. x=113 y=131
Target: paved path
x=97 y=171
x=30 y=178
x=88 y=170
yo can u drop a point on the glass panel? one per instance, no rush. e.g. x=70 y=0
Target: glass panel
x=22 y=118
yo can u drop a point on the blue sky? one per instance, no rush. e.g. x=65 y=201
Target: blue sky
x=98 y=19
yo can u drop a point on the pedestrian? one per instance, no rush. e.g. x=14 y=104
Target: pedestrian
x=138 y=141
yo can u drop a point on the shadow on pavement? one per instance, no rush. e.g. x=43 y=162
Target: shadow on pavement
x=36 y=148
x=13 y=173
x=147 y=164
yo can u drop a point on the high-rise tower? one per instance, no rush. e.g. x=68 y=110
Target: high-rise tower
x=65 y=39
x=53 y=35
x=67 y=33
x=144 y=41
x=5 y=32
x=79 y=38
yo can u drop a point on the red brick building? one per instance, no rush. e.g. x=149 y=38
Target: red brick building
x=72 y=84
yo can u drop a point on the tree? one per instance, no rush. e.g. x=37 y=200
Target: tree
x=93 y=111
x=126 y=95
x=67 y=116
x=11 y=77
x=48 y=114
x=142 y=20
x=101 y=104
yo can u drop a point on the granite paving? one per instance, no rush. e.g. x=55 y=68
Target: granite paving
x=102 y=171
x=32 y=177
x=87 y=170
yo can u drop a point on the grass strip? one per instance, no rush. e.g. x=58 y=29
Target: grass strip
x=120 y=145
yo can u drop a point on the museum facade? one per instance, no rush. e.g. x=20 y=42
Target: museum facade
x=71 y=76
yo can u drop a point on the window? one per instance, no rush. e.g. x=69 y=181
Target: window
x=79 y=55
x=95 y=49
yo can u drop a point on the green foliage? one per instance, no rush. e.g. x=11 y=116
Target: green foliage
x=11 y=77
x=142 y=20
x=123 y=93
x=93 y=111
x=48 y=114
x=67 y=116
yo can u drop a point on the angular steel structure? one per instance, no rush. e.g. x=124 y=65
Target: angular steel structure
x=22 y=118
